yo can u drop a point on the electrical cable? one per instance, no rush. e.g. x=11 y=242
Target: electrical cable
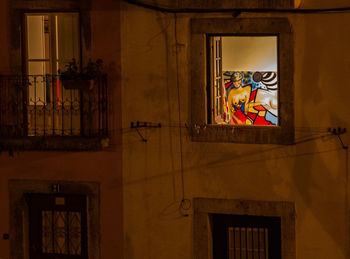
x=236 y=10
x=346 y=198
x=185 y=204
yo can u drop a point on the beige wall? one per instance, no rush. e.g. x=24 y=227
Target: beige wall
x=249 y=53
x=311 y=174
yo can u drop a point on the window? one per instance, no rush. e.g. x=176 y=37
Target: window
x=34 y=101
x=52 y=41
x=48 y=224
x=242 y=80
x=57 y=226
x=243 y=236
x=226 y=229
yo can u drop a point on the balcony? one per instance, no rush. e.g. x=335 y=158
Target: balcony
x=45 y=112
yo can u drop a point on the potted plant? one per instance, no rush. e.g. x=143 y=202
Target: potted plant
x=72 y=78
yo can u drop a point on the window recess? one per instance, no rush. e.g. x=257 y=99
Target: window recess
x=243 y=229
x=242 y=80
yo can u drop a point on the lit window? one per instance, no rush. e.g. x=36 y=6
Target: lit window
x=244 y=80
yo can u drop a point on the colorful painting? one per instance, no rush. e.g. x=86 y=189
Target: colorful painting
x=250 y=98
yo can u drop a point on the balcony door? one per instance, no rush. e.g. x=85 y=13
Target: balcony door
x=52 y=41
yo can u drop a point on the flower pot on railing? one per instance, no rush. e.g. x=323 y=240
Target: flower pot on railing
x=77 y=83
x=83 y=80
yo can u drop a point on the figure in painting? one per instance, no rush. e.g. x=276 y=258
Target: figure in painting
x=251 y=98
x=237 y=99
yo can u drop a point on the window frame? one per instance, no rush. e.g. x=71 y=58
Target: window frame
x=52 y=59
x=19 y=212
x=204 y=208
x=56 y=94
x=222 y=222
x=15 y=136
x=201 y=31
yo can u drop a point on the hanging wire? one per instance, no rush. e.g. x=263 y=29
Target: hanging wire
x=347 y=189
x=208 y=126
x=237 y=11
x=185 y=204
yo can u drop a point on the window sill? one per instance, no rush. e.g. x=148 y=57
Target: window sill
x=54 y=143
x=244 y=134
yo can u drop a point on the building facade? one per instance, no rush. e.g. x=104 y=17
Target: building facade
x=194 y=176
x=197 y=135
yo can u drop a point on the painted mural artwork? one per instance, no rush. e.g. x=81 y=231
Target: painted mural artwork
x=250 y=98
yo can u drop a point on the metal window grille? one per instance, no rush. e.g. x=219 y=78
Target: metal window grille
x=57 y=226
x=248 y=243
x=246 y=237
x=61 y=232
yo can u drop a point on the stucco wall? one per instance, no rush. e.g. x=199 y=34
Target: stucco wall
x=103 y=167
x=312 y=174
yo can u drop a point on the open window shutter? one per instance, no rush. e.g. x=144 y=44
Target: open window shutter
x=217 y=79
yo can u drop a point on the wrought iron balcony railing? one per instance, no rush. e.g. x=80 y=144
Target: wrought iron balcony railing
x=45 y=105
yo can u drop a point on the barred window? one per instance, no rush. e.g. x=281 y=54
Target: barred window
x=246 y=237
x=57 y=226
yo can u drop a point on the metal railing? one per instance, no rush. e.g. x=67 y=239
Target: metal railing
x=45 y=105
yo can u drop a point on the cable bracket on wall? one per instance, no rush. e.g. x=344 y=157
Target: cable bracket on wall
x=143 y=124
x=337 y=132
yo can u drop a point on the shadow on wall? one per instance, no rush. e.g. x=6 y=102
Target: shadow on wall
x=317 y=177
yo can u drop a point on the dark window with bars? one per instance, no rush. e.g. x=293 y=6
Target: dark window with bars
x=57 y=226
x=246 y=237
